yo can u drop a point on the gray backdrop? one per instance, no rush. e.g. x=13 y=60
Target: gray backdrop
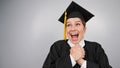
x=29 y=27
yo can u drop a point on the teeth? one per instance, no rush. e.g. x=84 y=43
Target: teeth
x=75 y=35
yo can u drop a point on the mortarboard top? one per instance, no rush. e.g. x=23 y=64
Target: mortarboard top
x=75 y=10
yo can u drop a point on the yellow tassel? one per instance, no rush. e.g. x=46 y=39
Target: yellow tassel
x=65 y=18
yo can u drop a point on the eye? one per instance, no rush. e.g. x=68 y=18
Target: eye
x=68 y=25
x=77 y=24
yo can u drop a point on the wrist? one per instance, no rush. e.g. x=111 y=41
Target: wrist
x=80 y=61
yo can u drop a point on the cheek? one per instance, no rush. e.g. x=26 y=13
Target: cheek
x=68 y=33
x=67 y=30
x=81 y=30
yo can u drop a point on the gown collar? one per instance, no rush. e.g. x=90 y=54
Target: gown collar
x=81 y=43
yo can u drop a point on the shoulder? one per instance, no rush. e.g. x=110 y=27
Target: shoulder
x=59 y=44
x=92 y=44
x=94 y=47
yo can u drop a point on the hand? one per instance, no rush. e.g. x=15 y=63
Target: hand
x=77 y=52
x=80 y=61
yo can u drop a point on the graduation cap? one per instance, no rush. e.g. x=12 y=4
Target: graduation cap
x=74 y=10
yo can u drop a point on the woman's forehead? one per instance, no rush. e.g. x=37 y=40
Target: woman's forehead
x=74 y=19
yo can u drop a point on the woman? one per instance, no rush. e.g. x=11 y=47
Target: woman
x=75 y=52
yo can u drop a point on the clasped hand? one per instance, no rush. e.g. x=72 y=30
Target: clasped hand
x=77 y=53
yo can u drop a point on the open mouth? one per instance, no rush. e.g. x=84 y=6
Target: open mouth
x=74 y=36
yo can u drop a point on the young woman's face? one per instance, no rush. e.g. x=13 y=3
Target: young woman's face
x=75 y=30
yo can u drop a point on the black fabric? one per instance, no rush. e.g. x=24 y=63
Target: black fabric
x=59 y=56
x=75 y=14
x=75 y=10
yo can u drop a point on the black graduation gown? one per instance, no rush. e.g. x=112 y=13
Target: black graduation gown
x=59 y=56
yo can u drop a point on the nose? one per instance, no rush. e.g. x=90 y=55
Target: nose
x=73 y=27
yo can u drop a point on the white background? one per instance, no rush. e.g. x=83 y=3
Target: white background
x=29 y=27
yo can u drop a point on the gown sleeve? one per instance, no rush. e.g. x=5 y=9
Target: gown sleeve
x=101 y=59
x=57 y=60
